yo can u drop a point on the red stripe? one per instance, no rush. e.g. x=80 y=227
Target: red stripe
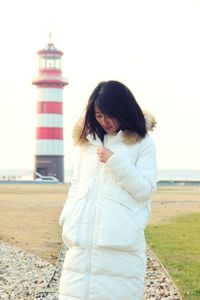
x=50 y=71
x=49 y=133
x=50 y=83
x=49 y=86
x=49 y=107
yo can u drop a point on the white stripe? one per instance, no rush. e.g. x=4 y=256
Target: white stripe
x=49 y=94
x=49 y=147
x=49 y=120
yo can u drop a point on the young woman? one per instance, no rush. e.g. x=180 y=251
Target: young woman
x=109 y=201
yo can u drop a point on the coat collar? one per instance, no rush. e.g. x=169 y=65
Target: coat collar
x=118 y=137
x=128 y=137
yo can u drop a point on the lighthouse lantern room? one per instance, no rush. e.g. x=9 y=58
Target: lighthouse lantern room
x=49 y=156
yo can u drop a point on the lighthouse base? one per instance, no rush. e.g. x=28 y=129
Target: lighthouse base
x=50 y=166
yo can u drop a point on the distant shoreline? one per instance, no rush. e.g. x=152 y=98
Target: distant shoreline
x=168 y=175
x=178 y=183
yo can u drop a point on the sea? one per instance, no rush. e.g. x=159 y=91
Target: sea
x=163 y=174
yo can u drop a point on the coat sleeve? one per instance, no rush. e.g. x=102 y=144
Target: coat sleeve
x=139 y=178
x=73 y=188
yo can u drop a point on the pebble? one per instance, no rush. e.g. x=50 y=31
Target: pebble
x=24 y=276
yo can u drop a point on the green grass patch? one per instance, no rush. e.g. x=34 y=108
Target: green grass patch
x=177 y=244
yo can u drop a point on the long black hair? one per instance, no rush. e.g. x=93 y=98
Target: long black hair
x=115 y=100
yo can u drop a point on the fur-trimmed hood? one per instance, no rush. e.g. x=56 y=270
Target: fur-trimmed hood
x=129 y=137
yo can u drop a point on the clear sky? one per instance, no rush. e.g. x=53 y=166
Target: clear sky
x=150 y=45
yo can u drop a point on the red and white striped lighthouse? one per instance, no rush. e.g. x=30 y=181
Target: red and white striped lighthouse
x=49 y=156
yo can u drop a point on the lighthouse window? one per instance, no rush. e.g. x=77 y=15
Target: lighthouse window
x=50 y=63
x=57 y=63
x=42 y=63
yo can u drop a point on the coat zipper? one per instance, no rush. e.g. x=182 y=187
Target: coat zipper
x=91 y=232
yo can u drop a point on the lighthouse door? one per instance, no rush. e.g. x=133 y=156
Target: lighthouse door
x=42 y=171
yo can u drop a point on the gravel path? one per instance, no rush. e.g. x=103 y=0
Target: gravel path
x=24 y=276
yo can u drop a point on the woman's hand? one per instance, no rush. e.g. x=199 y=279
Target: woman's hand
x=104 y=154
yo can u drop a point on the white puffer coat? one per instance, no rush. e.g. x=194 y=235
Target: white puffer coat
x=104 y=217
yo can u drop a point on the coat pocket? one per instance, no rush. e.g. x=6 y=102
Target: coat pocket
x=117 y=228
x=71 y=226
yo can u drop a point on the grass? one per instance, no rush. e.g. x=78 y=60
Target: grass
x=177 y=244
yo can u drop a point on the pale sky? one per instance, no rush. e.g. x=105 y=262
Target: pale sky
x=152 y=46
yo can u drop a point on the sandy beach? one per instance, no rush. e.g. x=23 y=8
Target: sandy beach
x=29 y=217
x=29 y=214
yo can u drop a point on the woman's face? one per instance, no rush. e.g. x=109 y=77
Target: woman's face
x=109 y=124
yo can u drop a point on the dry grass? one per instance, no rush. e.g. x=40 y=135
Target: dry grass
x=29 y=217
x=174 y=201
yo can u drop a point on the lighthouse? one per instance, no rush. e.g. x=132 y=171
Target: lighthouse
x=49 y=154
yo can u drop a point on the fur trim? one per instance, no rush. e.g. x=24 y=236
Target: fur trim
x=76 y=135
x=150 y=120
x=129 y=137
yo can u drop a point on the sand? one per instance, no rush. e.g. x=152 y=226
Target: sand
x=29 y=217
x=29 y=214
x=174 y=201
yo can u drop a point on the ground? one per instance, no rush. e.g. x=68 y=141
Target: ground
x=29 y=214
x=169 y=202
x=29 y=217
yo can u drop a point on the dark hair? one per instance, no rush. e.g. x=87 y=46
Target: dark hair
x=114 y=99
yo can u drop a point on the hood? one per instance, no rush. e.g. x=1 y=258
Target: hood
x=129 y=137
